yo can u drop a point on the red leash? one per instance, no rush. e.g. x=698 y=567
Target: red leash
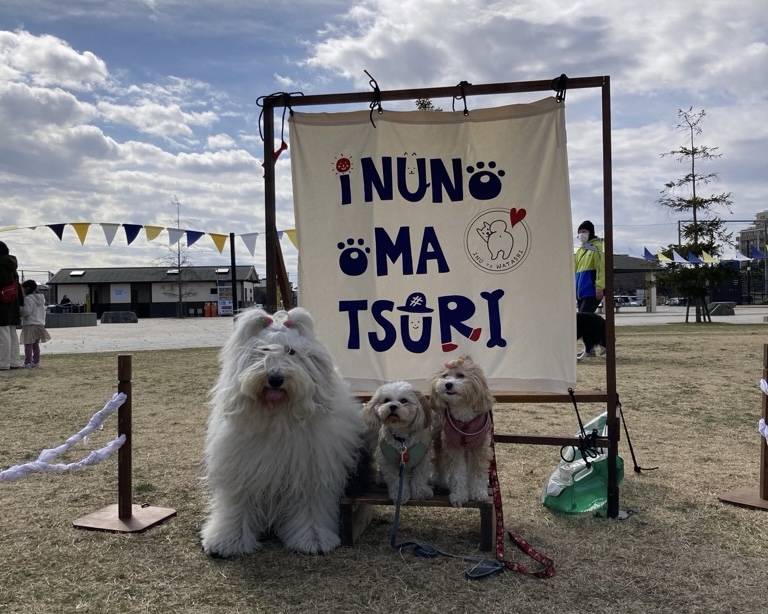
x=549 y=565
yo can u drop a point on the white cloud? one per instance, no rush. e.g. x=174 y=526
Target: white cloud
x=49 y=61
x=220 y=141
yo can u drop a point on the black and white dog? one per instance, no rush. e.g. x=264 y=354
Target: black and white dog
x=590 y=328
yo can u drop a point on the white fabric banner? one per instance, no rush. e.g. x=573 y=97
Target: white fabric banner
x=434 y=235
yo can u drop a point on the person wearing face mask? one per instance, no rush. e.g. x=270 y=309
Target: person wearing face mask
x=590 y=282
x=590 y=269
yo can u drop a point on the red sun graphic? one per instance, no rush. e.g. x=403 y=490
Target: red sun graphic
x=343 y=165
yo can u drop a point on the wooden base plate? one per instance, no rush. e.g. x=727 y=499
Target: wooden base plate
x=142 y=518
x=746 y=496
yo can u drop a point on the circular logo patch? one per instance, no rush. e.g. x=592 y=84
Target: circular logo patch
x=498 y=240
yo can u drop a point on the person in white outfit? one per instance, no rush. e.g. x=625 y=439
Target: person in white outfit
x=33 y=330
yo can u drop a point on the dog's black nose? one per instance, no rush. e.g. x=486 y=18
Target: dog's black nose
x=392 y=408
x=275 y=380
x=449 y=385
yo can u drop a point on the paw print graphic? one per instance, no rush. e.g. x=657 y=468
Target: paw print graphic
x=353 y=260
x=484 y=184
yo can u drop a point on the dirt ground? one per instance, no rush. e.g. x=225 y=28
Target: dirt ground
x=691 y=400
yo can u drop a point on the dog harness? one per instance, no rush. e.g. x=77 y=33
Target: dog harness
x=469 y=434
x=411 y=456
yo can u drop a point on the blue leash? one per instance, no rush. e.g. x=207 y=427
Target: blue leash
x=483 y=567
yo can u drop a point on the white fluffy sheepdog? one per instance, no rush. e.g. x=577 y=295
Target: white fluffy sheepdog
x=283 y=436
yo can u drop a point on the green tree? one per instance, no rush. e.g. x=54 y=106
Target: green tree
x=704 y=231
x=425 y=104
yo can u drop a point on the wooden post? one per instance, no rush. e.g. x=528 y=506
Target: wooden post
x=124 y=517
x=746 y=496
x=124 y=455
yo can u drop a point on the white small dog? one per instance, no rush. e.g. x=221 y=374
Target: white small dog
x=400 y=421
x=283 y=436
x=462 y=402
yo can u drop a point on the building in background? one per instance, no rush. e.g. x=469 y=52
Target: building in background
x=156 y=292
x=754 y=236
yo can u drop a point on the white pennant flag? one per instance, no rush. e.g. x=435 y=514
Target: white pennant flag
x=109 y=232
x=250 y=241
x=174 y=234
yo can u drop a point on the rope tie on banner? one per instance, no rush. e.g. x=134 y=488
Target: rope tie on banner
x=286 y=98
x=461 y=96
x=560 y=85
x=376 y=102
x=43 y=465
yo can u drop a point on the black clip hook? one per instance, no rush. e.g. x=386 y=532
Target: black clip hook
x=376 y=102
x=461 y=96
x=560 y=85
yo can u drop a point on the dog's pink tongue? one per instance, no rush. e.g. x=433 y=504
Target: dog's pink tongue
x=273 y=395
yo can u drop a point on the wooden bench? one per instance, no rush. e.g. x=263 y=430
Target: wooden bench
x=357 y=511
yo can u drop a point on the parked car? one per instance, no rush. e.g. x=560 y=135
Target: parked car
x=625 y=301
x=676 y=302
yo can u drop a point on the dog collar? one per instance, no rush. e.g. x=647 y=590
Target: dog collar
x=469 y=434
x=415 y=454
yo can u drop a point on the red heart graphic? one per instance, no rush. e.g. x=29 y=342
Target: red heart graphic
x=449 y=347
x=516 y=215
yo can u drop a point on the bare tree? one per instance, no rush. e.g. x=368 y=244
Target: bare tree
x=178 y=259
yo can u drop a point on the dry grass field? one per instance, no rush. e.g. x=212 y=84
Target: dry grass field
x=691 y=398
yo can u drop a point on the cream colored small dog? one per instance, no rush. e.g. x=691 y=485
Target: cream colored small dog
x=400 y=421
x=462 y=402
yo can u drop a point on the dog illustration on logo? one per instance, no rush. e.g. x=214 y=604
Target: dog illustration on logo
x=498 y=239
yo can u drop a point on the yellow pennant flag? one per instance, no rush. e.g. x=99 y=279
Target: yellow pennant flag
x=663 y=258
x=81 y=228
x=707 y=258
x=292 y=236
x=153 y=231
x=219 y=240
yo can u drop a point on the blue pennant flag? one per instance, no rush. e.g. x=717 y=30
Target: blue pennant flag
x=756 y=254
x=648 y=255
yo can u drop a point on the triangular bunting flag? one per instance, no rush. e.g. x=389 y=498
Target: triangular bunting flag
x=737 y=256
x=756 y=253
x=250 y=241
x=663 y=258
x=292 y=236
x=153 y=232
x=58 y=229
x=694 y=259
x=707 y=258
x=219 y=241
x=678 y=258
x=174 y=234
x=279 y=234
x=193 y=236
x=131 y=232
x=81 y=228
x=110 y=230
x=648 y=255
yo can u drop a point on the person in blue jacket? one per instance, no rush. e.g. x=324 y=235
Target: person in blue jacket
x=589 y=262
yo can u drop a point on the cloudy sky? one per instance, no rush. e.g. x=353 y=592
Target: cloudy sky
x=111 y=110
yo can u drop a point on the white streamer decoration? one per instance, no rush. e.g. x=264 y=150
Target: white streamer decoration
x=42 y=464
x=762 y=426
